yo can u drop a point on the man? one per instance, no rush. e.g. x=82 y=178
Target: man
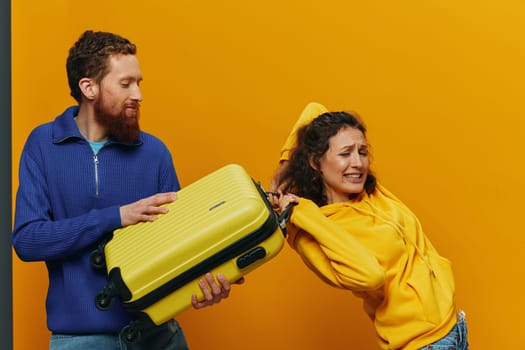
x=89 y=172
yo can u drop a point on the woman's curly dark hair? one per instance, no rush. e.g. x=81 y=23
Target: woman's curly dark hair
x=298 y=176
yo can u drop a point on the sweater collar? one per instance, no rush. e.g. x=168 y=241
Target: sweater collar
x=65 y=128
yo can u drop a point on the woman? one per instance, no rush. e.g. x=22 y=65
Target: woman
x=356 y=235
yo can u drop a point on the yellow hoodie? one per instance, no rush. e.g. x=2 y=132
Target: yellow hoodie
x=376 y=248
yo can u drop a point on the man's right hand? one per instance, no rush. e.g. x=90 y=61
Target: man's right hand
x=146 y=209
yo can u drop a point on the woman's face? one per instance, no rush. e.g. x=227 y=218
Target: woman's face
x=344 y=166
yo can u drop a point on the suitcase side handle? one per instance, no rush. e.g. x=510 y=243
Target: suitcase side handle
x=284 y=217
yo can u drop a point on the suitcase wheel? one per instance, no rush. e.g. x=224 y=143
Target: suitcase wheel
x=103 y=301
x=130 y=334
x=97 y=260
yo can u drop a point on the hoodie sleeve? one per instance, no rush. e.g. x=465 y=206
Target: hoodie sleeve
x=331 y=252
x=310 y=112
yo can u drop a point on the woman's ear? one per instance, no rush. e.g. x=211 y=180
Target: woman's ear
x=312 y=163
x=89 y=88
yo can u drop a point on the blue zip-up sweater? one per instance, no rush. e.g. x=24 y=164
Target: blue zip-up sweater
x=68 y=200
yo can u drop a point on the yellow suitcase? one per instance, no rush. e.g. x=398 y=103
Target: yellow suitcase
x=223 y=223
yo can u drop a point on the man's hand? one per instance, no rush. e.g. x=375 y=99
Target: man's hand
x=213 y=292
x=146 y=209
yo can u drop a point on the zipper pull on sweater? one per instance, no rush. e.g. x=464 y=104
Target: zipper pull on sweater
x=95 y=161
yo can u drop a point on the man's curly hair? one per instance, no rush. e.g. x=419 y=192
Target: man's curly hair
x=89 y=57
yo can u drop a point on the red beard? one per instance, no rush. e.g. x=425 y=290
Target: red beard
x=122 y=126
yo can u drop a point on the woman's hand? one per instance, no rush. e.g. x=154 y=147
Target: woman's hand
x=286 y=199
x=280 y=201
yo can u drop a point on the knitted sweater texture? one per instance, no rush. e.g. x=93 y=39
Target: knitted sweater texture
x=68 y=200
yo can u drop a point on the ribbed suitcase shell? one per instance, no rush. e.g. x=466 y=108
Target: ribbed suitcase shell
x=223 y=215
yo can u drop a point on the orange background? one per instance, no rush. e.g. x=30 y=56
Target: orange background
x=439 y=84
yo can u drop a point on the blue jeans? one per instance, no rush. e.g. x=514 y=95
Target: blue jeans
x=166 y=337
x=456 y=339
